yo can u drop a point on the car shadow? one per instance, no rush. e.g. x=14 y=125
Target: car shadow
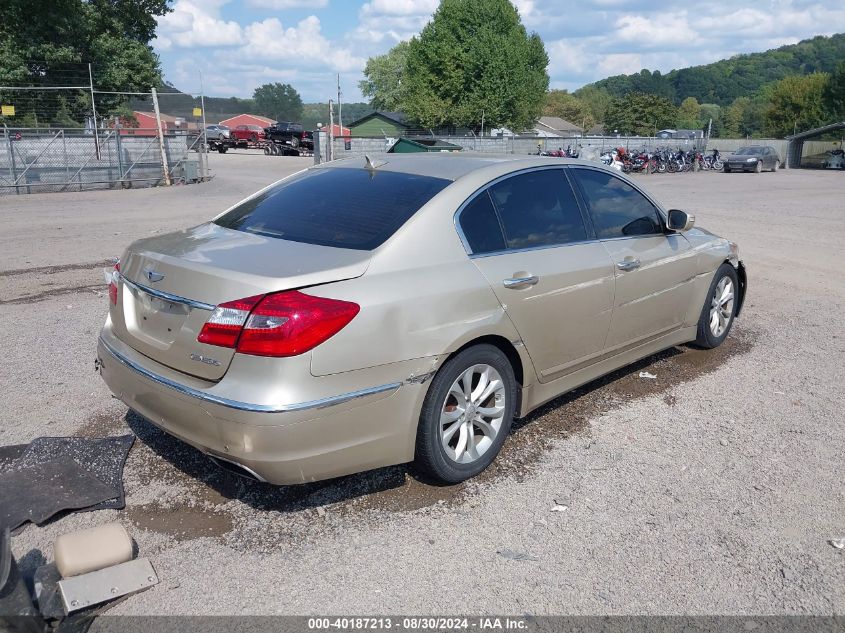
x=403 y=488
x=197 y=466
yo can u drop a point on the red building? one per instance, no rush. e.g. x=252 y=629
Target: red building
x=247 y=119
x=337 y=130
x=146 y=124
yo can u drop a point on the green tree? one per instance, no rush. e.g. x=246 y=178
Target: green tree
x=740 y=76
x=797 y=103
x=596 y=100
x=278 y=101
x=48 y=43
x=835 y=93
x=475 y=59
x=384 y=77
x=712 y=112
x=689 y=114
x=734 y=116
x=561 y=104
x=640 y=114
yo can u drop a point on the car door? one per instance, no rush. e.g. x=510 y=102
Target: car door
x=527 y=235
x=654 y=268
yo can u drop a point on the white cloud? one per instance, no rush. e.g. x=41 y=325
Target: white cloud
x=302 y=44
x=399 y=7
x=281 y=5
x=391 y=21
x=664 y=30
x=195 y=23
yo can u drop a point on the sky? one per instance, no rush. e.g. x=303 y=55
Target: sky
x=229 y=47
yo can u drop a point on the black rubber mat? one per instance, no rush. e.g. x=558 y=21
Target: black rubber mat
x=37 y=492
x=102 y=457
x=10 y=454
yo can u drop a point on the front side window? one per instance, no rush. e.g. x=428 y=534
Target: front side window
x=616 y=208
x=340 y=207
x=538 y=208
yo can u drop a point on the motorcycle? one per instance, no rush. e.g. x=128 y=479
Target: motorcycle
x=835 y=160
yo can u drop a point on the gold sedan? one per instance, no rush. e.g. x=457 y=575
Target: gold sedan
x=359 y=314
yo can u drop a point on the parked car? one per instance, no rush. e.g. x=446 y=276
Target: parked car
x=753 y=158
x=217 y=132
x=357 y=314
x=287 y=133
x=244 y=134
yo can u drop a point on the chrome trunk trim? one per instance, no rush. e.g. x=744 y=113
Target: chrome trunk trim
x=167 y=296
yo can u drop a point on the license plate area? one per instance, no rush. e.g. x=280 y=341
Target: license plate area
x=153 y=319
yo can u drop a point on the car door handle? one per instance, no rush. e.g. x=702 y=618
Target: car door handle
x=520 y=282
x=628 y=264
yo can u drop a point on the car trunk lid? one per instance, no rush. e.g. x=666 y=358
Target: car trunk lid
x=171 y=283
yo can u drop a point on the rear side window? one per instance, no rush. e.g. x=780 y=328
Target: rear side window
x=617 y=209
x=340 y=207
x=538 y=208
x=481 y=227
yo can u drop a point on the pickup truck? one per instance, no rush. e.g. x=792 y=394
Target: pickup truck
x=244 y=134
x=288 y=133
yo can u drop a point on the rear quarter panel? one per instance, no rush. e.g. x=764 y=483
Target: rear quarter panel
x=421 y=297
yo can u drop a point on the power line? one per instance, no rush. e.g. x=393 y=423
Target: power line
x=44 y=87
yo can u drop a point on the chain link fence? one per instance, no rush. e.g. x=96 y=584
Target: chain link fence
x=96 y=139
x=37 y=161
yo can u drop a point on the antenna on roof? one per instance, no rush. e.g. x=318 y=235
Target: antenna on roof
x=369 y=164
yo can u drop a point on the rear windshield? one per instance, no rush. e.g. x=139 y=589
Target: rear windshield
x=345 y=208
x=749 y=151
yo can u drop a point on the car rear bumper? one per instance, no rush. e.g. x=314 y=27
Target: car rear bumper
x=287 y=443
x=743 y=166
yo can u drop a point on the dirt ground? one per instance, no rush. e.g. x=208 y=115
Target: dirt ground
x=713 y=489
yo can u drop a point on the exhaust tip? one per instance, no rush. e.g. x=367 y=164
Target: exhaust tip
x=237 y=469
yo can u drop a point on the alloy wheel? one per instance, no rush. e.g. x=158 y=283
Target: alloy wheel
x=472 y=414
x=721 y=306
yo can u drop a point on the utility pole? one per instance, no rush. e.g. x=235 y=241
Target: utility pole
x=160 y=135
x=94 y=112
x=202 y=106
x=330 y=148
x=339 y=107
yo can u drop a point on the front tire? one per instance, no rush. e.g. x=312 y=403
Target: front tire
x=466 y=415
x=758 y=169
x=719 y=310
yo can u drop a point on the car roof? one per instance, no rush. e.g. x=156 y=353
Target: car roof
x=453 y=165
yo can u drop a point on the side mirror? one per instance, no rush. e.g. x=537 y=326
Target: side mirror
x=680 y=220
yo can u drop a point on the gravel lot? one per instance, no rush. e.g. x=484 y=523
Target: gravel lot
x=713 y=489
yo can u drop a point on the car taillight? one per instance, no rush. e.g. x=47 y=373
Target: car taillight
x=226 y=322
x=115 y=277
x=282 y=324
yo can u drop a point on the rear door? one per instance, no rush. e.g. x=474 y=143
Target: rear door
x=527 y=236
x=654 y=268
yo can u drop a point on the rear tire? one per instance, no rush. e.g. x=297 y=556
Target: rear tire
x=776 y=166
x=719 y=309
x=458 y=437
